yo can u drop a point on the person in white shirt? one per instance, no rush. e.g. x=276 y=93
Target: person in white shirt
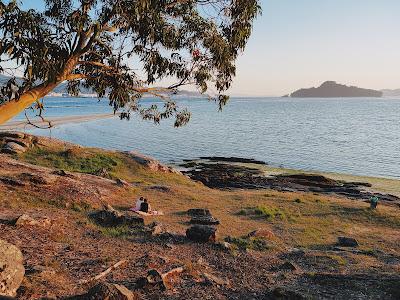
x=139 y=203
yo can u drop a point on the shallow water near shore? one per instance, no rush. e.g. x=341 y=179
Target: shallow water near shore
x=357 y=136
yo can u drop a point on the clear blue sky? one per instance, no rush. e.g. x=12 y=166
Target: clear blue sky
x=302 y=43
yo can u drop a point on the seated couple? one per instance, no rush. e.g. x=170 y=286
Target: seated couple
x=142 y=207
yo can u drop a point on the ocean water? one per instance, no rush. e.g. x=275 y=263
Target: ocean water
x=358 y=136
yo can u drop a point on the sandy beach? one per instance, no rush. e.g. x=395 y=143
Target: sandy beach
x=23 y=124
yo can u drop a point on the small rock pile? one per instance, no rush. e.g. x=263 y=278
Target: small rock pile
x=204 y=228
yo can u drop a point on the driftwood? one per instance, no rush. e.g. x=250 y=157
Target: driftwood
x=104 y=273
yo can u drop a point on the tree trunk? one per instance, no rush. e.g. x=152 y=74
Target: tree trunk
x=12 y=108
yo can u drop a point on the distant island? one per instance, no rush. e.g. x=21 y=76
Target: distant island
x=331 y=89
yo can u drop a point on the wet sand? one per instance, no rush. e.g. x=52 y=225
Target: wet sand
x=23 y=124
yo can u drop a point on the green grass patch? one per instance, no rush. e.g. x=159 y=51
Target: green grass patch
x=119 y=232
x=245 y=243
x=269 y=213
x=73 y=160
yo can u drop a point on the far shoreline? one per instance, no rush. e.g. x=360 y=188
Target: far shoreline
x=55 y=121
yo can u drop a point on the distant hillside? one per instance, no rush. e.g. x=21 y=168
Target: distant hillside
x=330 y=89
x=62 y=89
x=391 y=93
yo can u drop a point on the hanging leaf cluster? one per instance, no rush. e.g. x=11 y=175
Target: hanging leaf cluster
x=122 y=48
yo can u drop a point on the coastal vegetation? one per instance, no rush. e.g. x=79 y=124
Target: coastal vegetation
x=91 y=44
x=262 y=232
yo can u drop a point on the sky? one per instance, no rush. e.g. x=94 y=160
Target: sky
x=298 y=44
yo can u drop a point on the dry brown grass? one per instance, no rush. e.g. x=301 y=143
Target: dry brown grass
x=309 y=220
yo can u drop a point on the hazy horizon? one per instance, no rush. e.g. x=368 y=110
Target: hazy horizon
x=304 y=43
x=300 y=45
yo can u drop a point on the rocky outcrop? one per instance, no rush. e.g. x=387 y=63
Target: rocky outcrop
x=198 y=212
x=110 y=217
x=201 y=233
x=26 y=220
x=12 y=270
x=344 y=241
x=13 y=148
x=150 y=163
x=15 y=142
x=227 y=176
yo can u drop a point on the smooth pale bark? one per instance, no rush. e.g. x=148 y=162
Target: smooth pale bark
x=14 y=107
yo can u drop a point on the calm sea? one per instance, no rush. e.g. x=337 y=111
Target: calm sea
x=355 y=136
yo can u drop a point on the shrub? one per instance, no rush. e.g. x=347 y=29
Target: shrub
x=245 y=243
x=269 y=212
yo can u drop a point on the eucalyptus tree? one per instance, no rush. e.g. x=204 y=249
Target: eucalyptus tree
x=121 y=49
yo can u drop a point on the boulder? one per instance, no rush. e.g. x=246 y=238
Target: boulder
x=33 y=178
x=347 y=242
x=26 y=220
x=150 y=163
x=195 y=212
x=212 y=279
x=121 y=182
x=12 y=270
x=157 y=280
x=11 y=181
x=201 y=233
x=13 y=148
x=204 y=220
x=153 y=280
x=107 y=291
x=12 y=134
x=21 y=142
x=262 y=233
x=109 y=217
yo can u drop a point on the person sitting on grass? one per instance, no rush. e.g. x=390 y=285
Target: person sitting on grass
x=374 y=202
x=139 y=203
x=145 y=207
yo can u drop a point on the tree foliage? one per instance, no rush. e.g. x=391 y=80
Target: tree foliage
x=122 y=48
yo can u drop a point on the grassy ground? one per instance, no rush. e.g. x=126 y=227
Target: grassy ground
x=298 y=220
